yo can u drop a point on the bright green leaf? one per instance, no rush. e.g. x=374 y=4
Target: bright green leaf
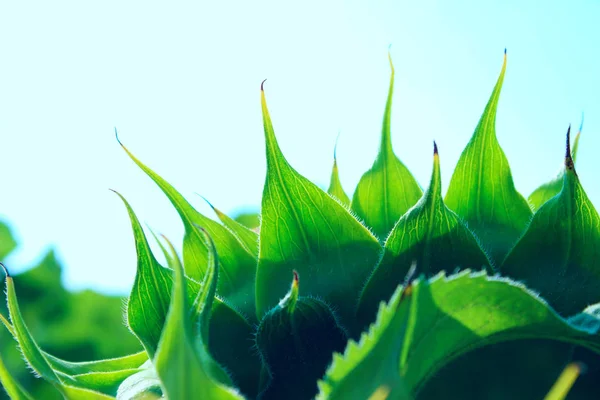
x=250 y=220
x=427 y=324
x=431 y=236
x=550 y=189
x=482 y=191
x=559 y=254
x=12 y=387
x=238 y=266
x=335 y=185
x=388 y=189
x=141 y=385
x=179 y=357
x=304 y=229
x=247 y=237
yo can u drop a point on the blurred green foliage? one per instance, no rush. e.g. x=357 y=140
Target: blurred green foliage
x=75 y=326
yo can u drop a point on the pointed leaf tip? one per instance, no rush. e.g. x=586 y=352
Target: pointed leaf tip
x=505 y=51
x=5 y=270
x=296 y=278
x=262 y=85
x=117 y=136
x=435 y=148
x=568 y=157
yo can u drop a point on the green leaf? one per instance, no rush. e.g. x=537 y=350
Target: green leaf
x=335 y=185
x=559 y=254
x=247 y=237
x=482 y=191
x=14 y=390
x=550 y=189
x=430 y=235
x=238 y=266
x=304 y=229
x=37 y=359
x=150 y=296
x=388 y=189
x=427 y=324
x=179 y=359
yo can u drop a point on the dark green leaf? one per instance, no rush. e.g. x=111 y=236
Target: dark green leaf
x=388 y=189
x=430 y=235
x=303 y=228
x=427 y=324
x=559 y=254
x=482 y=191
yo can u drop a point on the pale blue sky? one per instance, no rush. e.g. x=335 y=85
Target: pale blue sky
x=180 y=80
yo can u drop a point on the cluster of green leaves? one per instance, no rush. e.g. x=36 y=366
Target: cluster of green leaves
x=396 y=293
x=77 y=326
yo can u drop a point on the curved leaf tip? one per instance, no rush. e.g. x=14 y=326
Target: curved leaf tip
x=5 y=270
x=262 y=85
x=569 y=164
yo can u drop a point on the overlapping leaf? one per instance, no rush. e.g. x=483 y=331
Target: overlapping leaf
x=550 y=189
x=69 y=386
x=559 y=254
x=304 y=229
x=388 y=189
x=181 y=357
x=238 y=266
x=11 y=386
x=429 y=235
x=429 y=323
x=482 y=190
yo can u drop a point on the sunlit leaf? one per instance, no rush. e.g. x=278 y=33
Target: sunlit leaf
x=432 y=237
x=388 y=189
x=247 y=237
x=550 y=189
x=141 y=385
x=249 y=219
x=427 y=324
x=12 y=387
x=335 y=185
x=559 y=254
x=238 y=266
x=482 y=191
x=304 y=229
x=180 y=360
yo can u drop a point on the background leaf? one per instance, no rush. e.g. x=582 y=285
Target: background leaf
x=388 y=189
x=304 y=229
x=482 y=191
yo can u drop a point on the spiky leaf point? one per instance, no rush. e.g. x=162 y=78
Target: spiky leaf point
x=388 y=189
x=181 y=358
x=482 y=191
x=430 y=235
x=304 y=229
x=238 y=266
x=335 y=185
x=427 y=324
x=550 y=189
x=246 y=236
x=559 y=254
x=296 y=339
